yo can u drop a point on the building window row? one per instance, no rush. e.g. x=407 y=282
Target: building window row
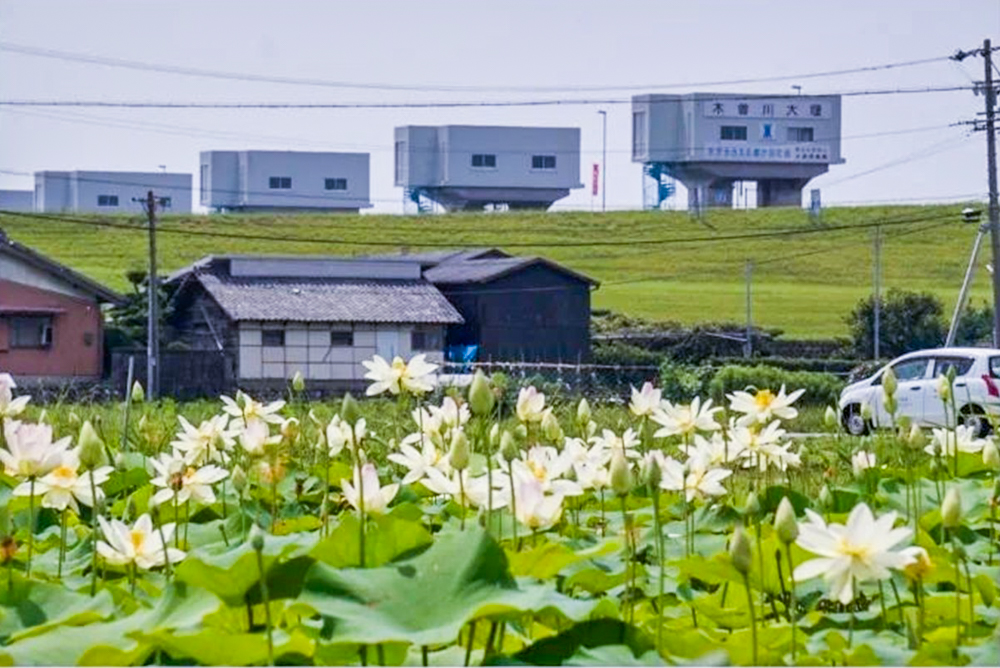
x=792 y=134
x=107 y=200
x=489 y=161
x=733 y=133
x=285 y=183
x=430 y=339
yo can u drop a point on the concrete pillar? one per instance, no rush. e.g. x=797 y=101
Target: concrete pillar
x=717 y=194
x=780 y=192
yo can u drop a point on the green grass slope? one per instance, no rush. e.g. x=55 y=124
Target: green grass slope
x=802 y=283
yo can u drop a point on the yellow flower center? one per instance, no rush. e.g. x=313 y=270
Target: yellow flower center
x=763 y=398
x=138 y=538
x=540 y=472
x=859 y=552
x=64 y=472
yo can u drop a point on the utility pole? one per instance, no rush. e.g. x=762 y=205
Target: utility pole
x=152 y=303
x=877 y=283
x=604 y=160
x=991 y=165
x=748 y=344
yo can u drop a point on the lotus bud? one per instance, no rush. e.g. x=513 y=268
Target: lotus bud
x=951 y=509
x=739 y=551
x=866 y=411
x=943 y=386
x=889 y=383
x=583 y=413
x=494 y=437
x=903 y=424
x=74 y=419
x=621 y=474
x=991 y=455
x=120 y=461
x=298 y=382
x=652 y=475
x=290 y=429
x=996 y=490
x=987 y=590
x=256 y=538
x=784 y=522
x=350 y=411
x=521 y=432
x=952 y=373
x=891 y=406
x=920 y=566
x=458 y=457
x=43 y=416
x=830 y=418
x=508 y=446
x=137 y=395
x=239 y=478
x=481 y=399
x=825 y=498
x=751 y=508
x=91 y=447
x=550 y=428
x=916 y=438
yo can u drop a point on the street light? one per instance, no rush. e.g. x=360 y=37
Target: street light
x=969 y=216
x=604 y=160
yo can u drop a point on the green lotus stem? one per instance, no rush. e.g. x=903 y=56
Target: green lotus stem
x=954 y=414
x=31 y=524
x=380 y=653
x=602 y=513
x=93 y=534
x=958 y=591
x=177 y=514
x=361 y=499
x=223 y=496
x=131 y=578
x=753 y=617
x=918 y=598
x=461 y=494
x=631 y=559
x=513 y=503
x=274 y=499
x=472 y=639
x=62 y=541
x=490 y=639
x=899 y=603
x=660 y=561
x=972 y=601
x=267 y=605
x=424 y=658
x=881 y=600
x=793 y=608
x=993 y=527
x=187 y=520
x=325 y=512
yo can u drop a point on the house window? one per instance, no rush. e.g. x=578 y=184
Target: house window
x=638 y=133
x=400 y=154
x=426 y=339
x=165 y=202
x=204 y=184
x=107 y=200
x=800 y=134
x=31 y=332
x=280 y=183
x=341 y=339
x=733 y=133
x=543 y=162
x=484 y=160
x=272 y=337
x=335 y=184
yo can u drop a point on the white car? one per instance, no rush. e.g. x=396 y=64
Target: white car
x=977 y=390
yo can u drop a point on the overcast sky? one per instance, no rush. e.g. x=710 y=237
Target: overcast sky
x=527 y=43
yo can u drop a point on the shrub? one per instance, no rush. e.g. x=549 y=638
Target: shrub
x=820 y=388
x=624 y=354
x=908 y=321
x=835 y=365
x=682 y=382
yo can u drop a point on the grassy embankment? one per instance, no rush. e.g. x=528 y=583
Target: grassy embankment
x=804 y=284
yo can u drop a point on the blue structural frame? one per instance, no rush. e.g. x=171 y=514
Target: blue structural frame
x=662 y=188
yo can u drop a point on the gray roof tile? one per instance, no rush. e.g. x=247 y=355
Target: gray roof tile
x=330 y=300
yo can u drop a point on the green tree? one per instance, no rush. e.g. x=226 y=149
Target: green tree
x=130 y=320
x=909 y=321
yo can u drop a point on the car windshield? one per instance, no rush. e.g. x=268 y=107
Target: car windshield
x=911 y=369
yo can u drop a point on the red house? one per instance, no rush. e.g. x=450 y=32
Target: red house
x=51 y=326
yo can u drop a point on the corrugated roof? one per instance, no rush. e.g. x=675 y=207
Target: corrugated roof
x=483 y=271
x=330 y=300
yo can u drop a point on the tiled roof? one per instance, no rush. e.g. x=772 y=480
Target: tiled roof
x=483 y=271
x=329 y=300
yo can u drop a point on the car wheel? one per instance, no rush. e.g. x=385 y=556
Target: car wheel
x=854 y=423
x=973 y=416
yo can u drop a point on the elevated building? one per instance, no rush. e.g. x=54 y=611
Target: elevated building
x=467 y=167
x=711 y=141
x=110 y=192
x=279 y=181
x=17 y=200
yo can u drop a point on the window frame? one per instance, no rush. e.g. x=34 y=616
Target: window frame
x=107 y=200
x=798 y=131
x=281 y=182
x=46 y=332
x=264 y=333
x=488 y=160
x=971 y=362
x=344 y=333
x=741 y=132
x=540 y=162
x=925 y=359
x=639 y=137
x=425 y=333
x=331 y=184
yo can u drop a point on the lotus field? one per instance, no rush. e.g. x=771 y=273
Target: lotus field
x=489 y=526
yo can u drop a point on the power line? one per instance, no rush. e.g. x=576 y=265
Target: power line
x=326 y=83
x=919 y=154
x=134 y=104
x=788 y=232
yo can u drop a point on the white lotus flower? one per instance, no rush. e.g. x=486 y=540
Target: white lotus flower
x=9 y=406
x=178 y=479
x=418 y=462
x=944 y=441
x=716 y=451
x=762 y=448
x=255 y=436
x=673 y=474
x=547 y=466
x=853 y=553
x=861 y=461
x=590 y=475
x=340 y=435
x=63 y=486
x=685 y=419
x=703 y=481
x=140 y=544
x=376 y=497
x=536 y=510
x=611 y=442
x=210 y=441
x=252 y=411
x=762 y=406
x=475 y=491
x=415 y=377
x=30 y=450
x=645 y=401
x=530 y=404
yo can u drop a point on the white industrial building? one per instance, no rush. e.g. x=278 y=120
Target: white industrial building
x=110 y=192
x=466 y=167
x=711 y=141
x=17 y=200
x=284 y=181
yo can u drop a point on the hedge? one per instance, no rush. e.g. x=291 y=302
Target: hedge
x=835 y=365
x=820 y=388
